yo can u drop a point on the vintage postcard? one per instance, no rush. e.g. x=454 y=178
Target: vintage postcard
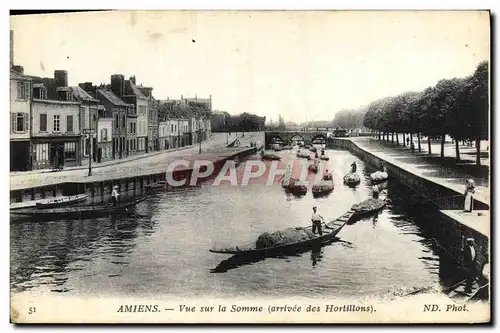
x=250 y=167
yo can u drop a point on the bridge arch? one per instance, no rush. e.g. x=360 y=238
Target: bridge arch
x=319 y=136
x=296 y=137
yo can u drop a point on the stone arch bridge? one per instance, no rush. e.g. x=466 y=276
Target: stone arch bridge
x=288 y=136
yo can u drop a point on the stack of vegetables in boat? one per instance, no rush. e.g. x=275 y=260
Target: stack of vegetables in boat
x=324 y=187
x=314 y=166
x=352 y=179
x=325 y=158
x=294 y=186
x=368 y=206
x=379 y=176
x=303 y=155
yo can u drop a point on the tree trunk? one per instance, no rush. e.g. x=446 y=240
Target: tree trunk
x=443 y=137
x=429 y=145
x=478 y=152
x=392 y=137
x=457 y=150
x=379 y=135
x=419 y=147
x=397 y=139
x=404 y=138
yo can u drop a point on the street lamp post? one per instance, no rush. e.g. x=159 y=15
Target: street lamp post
x=199 y=139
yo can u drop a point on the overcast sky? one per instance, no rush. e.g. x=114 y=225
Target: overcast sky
x=302 y=65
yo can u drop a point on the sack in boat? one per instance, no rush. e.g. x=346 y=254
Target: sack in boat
x=368 y=205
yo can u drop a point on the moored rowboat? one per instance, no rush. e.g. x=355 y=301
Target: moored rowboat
x=329 y=233
x=76 y=212
x=50 y=202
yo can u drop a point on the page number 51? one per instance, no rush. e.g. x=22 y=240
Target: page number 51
x=31 y=310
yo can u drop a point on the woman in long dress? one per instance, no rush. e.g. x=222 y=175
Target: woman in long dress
x=469 y=195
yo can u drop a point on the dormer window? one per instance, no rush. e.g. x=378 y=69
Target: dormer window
x=43 y=93
x=69 y=96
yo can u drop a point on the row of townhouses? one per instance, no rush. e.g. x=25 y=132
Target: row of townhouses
x=54 y=125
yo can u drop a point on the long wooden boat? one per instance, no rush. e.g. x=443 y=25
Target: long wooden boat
x=303 y=155
x=50 y=202
x=270 y=157
x=313 y=149
x=329 y=233
x=324 y=188
x=324 y=158
x=78 y=212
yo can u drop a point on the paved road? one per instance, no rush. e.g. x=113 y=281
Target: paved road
x=428 y=167
x=212 y=146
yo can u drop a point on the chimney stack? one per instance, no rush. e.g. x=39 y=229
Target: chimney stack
x=61 y=78
x=11 y=48
x=118 y=84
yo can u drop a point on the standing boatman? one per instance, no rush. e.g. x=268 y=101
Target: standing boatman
x=354 y=167
x=316 y=221
x=115 y=196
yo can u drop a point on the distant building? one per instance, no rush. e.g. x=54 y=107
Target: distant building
x=88 y=123
x=220 y=121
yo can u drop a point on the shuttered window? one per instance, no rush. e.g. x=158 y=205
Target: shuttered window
x=43 y=122
x=69 y=120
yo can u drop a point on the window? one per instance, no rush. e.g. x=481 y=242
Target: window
x=23 y=91
x=42 y=152
x=116 y=121
x=19 y=119
x=172 y=128
x=56 y=124
x=124 y=123
x=69 y=96
x=69 y=120
x=104 y=135
x=131 y=130
x=70 y=150
x=43 y=93
x=43 y=122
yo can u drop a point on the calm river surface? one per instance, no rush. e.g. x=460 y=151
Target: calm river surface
x=165 y=251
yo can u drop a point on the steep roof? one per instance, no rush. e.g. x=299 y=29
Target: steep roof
x=82 y=95
x=18 y=76
x=135 y=90
x=112 y=97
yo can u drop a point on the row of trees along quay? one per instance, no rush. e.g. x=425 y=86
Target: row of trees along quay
x=456 y=107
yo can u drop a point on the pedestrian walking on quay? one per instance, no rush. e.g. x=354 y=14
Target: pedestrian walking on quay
x=470 y=189
x=115 y=195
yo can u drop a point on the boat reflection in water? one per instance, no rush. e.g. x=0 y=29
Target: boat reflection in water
x=242 y=260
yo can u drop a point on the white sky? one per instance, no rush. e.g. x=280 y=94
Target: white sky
x=302 y=65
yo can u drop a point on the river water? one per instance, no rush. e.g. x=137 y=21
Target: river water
x=164 y=251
